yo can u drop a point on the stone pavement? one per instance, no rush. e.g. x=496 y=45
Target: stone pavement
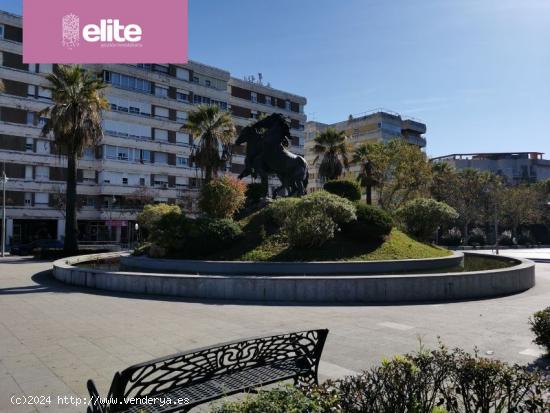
x=535 y=254
x=54 y=337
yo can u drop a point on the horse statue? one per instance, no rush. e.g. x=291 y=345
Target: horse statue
x=267 y=155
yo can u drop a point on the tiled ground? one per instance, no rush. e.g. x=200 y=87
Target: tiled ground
x=54 y=337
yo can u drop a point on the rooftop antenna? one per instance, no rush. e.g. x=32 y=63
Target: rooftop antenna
x=260 y=78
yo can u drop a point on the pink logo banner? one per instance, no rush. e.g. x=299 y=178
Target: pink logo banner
x=105 y=31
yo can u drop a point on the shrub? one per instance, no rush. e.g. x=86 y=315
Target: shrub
x=437 y=381
x=222 y=197
x=254 y=193
x=372 y=224
x=506 y=238
x=540 y=326
x=151 y=214
x=316 y=219
x=452 y=237
x=279 y=400
x=477 y=237
x=525 y=238
x=178 y=236
x=344 y=188
x=421 y=217
x=276 y=213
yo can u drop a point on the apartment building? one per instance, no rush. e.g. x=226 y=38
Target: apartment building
x=144 y=156
x=375 y=126
x=514 y=167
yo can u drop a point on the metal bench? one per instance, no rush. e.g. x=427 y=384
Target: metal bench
x=179 y=382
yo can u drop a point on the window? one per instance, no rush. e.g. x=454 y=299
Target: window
x=28 y=199
x=182 y=74
x=127 y=82
x=141 y=181
x=145 y=66
x=161 y=91
x=135 y=110
x=287 y=105
x=196 y=79
x=181 y=116
x=161 y=112
x=161 y=158
x=268 y=101
x=161 y=68
x=181 y=161
x=124 y=181
x=1 y=31
x=29 y=145
x=88 y=175
x=208 y=83
x=145 y=156
x=122 y=154
x=161 y=180
x=31 y=90
x=182 y=138
x=30 y=118
x=161 y=135
x=254 y=97
x=44 y=93
x=41 y=198
x=181 y=182
x=42 y=173
x=182 y=95
x=45 y=68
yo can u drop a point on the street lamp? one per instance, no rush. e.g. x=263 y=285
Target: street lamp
x=4 y=182
x=136 y=227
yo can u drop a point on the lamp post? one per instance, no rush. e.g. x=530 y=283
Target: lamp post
x=136 y=227
x=4 y=182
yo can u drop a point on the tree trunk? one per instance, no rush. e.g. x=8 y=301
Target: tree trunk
x=207 y=174
x=71 y=238
x=465 y=234
x=369 y=195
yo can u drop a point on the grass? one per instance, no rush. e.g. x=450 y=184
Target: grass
x=261 y=244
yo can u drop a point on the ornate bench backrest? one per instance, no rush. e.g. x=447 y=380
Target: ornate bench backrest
x=180 y=370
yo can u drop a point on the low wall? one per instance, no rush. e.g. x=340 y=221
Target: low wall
x=289 y=268
x=305 y=289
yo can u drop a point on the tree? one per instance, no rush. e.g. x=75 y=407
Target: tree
x=444 y=178
x=74 y=119
x=522 y=205
x=214 y=130
x=332 y=147
x=222 y=197
x=401 y=171
x=472 y=193
x=365 y=176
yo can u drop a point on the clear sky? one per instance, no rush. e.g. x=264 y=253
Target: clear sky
x=476 y=71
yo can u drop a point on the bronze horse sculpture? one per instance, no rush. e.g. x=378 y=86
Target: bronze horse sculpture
x=267 y=155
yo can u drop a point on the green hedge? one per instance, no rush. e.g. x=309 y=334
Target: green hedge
x=540 y=326
x=344 y=188
x=372 y=224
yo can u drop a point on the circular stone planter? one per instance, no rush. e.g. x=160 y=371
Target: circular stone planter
x=289 y=268
x=370 y=288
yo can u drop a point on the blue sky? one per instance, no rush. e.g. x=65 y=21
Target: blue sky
x=476 y=71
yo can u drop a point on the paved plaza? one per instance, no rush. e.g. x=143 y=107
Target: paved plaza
x=54 y=337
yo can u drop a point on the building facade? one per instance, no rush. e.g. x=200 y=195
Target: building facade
x=144 y=156
x=514 y=167
x=375 y=126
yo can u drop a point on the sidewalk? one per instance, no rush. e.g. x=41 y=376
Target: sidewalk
x=534 y=254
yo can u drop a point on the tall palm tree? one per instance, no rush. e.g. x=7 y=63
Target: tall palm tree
x=332 y=147
x=214 y=130
x=74 y=119
x=365 y=177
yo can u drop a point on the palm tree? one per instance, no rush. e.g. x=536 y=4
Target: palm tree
x=214 y=130
x=75 y=122
x=365 y=177
x=332 y=146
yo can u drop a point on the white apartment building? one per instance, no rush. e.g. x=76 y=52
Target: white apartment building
x=375 y=126
x=144 y=156
x=514 y=167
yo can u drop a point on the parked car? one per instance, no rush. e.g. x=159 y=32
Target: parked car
x=42 y=244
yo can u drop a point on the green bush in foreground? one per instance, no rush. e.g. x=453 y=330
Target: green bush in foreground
x=438 y=381
x=421 y=217
x=372 y=224
x=279 y=210
x=540 y=325
x=344 y=188
x=316 y=218
x=151 y=214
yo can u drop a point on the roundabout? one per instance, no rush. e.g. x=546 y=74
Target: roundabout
x=337 y=286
